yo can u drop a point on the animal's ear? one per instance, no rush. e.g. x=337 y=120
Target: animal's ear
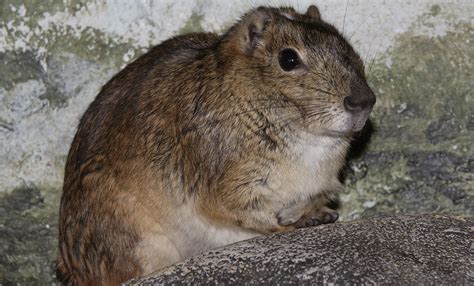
x=252 y=28
x=313 y=13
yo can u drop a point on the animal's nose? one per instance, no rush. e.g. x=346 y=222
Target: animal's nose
x=361 y=98
x=356 y=104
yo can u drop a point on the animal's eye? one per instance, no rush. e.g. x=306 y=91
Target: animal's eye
x=288 y=59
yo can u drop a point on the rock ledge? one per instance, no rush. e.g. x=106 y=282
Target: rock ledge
x=410 y=249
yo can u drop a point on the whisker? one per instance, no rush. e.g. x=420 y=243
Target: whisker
x=303 y=99
x=260 y=109
x=319 y=114
x=323 y=91
x=357 y=29
x=377 y=36
x=300 y=102
x=285 y=121
x=345 y=13
x=374 y=57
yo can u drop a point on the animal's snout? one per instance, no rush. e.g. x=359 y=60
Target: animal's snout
x=355 y=104
x=361 y=99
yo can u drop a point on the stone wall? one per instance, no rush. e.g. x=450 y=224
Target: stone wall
x=55 y=56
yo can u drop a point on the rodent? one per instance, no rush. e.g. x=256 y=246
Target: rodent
x=210 y=139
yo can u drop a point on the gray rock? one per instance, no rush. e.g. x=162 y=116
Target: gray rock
x=406 y=250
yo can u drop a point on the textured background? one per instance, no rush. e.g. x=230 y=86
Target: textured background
x=55 y=56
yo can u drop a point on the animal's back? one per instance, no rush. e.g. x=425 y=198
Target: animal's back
x=98 y=233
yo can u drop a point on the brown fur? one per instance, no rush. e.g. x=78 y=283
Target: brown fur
x=204 y=137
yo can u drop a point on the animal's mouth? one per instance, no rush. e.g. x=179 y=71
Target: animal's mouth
x=359 y=124
x=336 y=133
x=352 y=123
x=358 y=120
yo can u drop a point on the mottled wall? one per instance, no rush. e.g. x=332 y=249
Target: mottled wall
x=55 y=55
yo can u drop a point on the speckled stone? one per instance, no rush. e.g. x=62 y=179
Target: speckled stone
x=403 y=250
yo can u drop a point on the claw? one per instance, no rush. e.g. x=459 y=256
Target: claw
x=320 y=216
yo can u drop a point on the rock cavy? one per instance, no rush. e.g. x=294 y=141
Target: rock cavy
x=210 y=139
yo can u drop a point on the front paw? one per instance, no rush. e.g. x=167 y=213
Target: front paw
x=318 y=216
x=289 y=216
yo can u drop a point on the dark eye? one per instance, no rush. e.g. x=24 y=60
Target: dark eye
x=288 y=59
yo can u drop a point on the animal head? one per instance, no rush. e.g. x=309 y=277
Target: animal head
x=300 y=69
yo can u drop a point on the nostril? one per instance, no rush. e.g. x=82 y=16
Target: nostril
x=352 y=105
x=361 y=98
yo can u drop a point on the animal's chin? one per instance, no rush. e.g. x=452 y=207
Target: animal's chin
x=354 y=129
x=358 y=127
x=336 y=133
x=346 y=130
x=357 y=123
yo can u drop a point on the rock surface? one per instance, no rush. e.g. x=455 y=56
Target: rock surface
x=402 y=250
